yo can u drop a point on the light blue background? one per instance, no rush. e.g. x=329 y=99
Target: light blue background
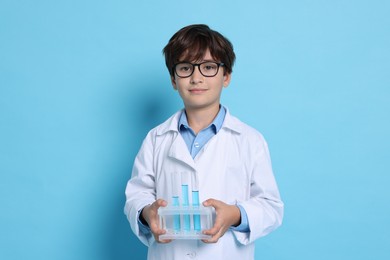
x=81 y=83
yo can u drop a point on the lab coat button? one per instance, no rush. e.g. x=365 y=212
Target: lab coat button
x=191 y=254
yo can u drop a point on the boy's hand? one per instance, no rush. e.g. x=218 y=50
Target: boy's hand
x=227 y=216
x=150 y=215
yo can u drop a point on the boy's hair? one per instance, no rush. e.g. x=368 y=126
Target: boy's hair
x=191 y=43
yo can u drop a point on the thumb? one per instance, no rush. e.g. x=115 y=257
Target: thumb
x=211 y=202
x=161 y=203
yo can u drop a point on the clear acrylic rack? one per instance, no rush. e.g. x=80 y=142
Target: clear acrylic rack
x=185 y=222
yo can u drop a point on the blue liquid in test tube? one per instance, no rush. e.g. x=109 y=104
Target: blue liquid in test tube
x=195 y=203
x=186 y=218
x=176 y=218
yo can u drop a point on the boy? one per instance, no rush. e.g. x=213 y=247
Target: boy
x=226 y=160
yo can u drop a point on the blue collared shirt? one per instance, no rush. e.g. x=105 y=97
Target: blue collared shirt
x=195 y=142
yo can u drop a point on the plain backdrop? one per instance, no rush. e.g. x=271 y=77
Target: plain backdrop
x=82 y=82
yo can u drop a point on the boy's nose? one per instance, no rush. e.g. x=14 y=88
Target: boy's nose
x=196 y=76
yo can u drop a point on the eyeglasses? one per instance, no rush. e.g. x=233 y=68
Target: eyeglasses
x=207 y=68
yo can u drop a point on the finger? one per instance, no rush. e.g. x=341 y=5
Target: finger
x=211 y=232
x=157 y=233
x=154 y=227
x=217 y=231
x=211 y=202
x=160 y=203
x=166 y=241
x=214 y=230
x=161 y=241
x=214 y=238
x=153 y=208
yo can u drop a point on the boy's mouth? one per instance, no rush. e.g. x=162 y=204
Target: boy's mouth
x=197 y=90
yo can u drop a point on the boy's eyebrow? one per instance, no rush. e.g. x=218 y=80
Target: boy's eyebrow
x=200 y=61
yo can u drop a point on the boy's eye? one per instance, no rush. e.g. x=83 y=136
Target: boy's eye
x=185 y=67
x=209 y=66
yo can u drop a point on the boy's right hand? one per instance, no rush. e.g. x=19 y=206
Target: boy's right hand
x=150 y=215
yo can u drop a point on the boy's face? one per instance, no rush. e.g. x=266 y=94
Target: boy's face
x=198 y=91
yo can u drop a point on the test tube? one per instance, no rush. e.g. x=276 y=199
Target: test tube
x=176 y=218
x=176 y=180
x=185 y=201
x=195 y=203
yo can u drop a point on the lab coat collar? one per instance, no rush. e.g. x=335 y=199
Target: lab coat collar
x=171 y=124
x=232 y=123
x=178 y=144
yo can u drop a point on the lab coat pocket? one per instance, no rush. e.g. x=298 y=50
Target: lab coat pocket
x=237 y=183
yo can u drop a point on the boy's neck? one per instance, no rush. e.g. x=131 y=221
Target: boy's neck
x=199 y=119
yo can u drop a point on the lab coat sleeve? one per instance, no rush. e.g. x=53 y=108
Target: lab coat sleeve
x=140 y=189
x=264 y=207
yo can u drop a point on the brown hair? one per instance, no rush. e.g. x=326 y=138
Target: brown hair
x=191 y=43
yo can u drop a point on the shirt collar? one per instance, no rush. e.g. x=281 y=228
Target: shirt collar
x=229 y=122
x=217 y=122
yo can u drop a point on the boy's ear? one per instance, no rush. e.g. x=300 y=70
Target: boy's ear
x=226 y=79
x=173 y=81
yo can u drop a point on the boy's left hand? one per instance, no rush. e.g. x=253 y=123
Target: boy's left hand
x=226 y=216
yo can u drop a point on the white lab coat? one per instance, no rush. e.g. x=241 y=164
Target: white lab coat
x=234 y=167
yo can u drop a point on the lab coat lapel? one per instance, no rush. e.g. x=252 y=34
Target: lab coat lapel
x=179 y=151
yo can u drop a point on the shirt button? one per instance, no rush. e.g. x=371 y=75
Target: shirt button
x=196 y=145
x=191 y=254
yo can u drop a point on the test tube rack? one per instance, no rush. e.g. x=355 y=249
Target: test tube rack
x=181 y=222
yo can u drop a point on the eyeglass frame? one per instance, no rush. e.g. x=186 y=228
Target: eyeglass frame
x=219 y=64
